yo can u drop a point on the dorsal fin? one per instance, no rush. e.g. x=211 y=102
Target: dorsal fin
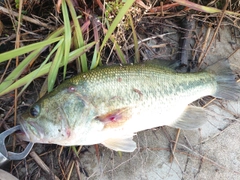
x=164 y=63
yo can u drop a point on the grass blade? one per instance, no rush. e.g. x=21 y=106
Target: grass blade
x=33 y=75
x=78 y=34
x=118 y=51
x=52 y=75
x=67 y=37
x=45 y=69
x=137 y=55
x=202 y=8
x=111 y=29
x=26 y=49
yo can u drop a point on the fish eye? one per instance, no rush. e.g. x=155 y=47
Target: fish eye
x=34 y=110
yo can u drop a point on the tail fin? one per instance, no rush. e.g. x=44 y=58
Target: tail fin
x=227 y=86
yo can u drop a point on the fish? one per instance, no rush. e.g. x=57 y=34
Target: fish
x=110 y=104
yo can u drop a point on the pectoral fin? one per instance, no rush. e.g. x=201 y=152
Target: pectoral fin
x=115 y=118
x=193 y=117
x=118 y=144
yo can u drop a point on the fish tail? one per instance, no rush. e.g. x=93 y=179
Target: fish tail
x=227 y=87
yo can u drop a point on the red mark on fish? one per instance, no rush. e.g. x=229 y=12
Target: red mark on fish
x=71 y=89
x=68 y=132
x=116 y=117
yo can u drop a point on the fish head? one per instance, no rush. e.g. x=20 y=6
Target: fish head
x=63 y=117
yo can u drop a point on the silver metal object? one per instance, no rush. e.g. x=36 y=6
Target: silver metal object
x=5 y=155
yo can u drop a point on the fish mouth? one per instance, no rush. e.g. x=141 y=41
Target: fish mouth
x=22 y=134
x=29 y=131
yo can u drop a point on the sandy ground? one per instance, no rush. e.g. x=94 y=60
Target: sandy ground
x=212 y=152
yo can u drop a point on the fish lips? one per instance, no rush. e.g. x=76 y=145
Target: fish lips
x=30 y=131
x=22 y=134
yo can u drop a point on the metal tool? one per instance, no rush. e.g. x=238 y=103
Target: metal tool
x=5 y=155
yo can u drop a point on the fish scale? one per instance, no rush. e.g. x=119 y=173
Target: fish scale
x=147 y=82
x=110 y=104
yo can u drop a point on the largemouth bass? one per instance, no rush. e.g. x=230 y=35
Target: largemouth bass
x=110 y=104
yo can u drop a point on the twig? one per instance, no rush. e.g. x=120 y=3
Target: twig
x=59 y=162
x=72 y=163
x=174 y=146
x=42 y=164
x=77 y=163
x=26 y=18
x=208 y=159
x=205 y=9
x=194 y=154
x=147 y=39
x=96 y=146
x=77 y=169
x=201 y=159
x=71 y=169
x=16 y=63
x=207 y=104
x=204 y=43
x=219 y=133
x=233 y=52
x=215 y=33
x=161 y=5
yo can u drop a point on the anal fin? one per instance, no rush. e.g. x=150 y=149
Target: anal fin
x=192 y=118
x=120 y=144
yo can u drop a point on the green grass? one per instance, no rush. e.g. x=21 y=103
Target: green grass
x=60 y=41
x=111 y=29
